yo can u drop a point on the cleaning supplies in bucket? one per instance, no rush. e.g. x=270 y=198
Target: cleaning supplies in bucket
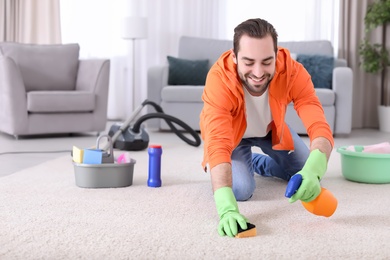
x=96 y=168
x=374 y=148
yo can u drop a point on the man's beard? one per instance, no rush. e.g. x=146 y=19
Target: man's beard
x=254 y=88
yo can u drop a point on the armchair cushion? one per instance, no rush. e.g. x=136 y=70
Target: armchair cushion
x=187 y=72
x=60 y=101
x=44 y=67
x=320 y=68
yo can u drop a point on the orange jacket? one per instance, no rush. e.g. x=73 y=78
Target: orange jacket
x=222 y=120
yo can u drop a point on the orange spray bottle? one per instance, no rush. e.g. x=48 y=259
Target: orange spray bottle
x=324 y=205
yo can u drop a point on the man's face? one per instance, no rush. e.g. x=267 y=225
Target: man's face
x=255 y=63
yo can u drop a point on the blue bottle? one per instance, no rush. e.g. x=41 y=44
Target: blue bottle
x=154 y=179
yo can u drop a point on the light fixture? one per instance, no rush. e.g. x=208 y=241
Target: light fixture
x=134 y=27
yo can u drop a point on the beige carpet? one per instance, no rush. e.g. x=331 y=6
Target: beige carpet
x=44 y=215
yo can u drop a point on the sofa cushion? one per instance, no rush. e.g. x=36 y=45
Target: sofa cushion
x=320 y=68
x=327 y=97
x=182 y=94
x=60 y=101
x=187 y=72
x=45 y=67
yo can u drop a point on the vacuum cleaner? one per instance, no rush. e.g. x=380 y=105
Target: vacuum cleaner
x=133 y=137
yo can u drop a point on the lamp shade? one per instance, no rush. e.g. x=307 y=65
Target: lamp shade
x=134 y=27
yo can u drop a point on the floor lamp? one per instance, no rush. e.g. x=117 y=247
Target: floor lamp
x=133 y=28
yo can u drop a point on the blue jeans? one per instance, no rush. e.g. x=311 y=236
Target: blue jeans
x=273 y=163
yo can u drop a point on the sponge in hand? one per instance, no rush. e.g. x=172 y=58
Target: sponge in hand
x=249 y=232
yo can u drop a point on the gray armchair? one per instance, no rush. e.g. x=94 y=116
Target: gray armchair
x=47 y=89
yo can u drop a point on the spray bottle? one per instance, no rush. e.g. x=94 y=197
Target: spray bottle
x=324 y=205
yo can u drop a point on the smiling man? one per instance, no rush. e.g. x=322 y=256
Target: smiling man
x=245 y=100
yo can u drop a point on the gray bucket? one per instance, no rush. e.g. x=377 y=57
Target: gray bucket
x=107 y=175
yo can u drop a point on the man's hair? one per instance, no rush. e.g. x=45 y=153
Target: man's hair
x=256 y=28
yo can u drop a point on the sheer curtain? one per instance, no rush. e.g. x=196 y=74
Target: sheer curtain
x=170 y=19
x=33 y=21
x=95 y=25
x=365 y=96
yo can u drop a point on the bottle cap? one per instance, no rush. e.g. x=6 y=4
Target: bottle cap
x=154 y=146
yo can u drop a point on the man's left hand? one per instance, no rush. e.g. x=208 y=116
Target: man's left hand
x=312 y=172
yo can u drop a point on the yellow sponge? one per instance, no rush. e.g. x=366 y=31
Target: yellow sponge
x=249 y=232
x=77 y=155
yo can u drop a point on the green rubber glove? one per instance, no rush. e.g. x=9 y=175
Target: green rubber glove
x=228 y=212
x=312 y=172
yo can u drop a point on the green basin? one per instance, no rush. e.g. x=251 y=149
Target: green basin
x=364 y=167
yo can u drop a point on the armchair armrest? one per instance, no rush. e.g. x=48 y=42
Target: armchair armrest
x=13 y=98
x=91 y=74
x=343 y=86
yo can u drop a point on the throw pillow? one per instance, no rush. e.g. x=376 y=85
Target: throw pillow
x=187 y=72
x=320 y=68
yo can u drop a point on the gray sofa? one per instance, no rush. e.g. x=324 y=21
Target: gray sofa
x=47 y=89
x=185 y=102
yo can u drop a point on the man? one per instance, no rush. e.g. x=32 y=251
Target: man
x=245 y=99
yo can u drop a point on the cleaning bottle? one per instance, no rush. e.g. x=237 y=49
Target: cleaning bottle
x=324 y=205
x=154 y=179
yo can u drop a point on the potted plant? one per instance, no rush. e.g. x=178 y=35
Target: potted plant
x=375 y=56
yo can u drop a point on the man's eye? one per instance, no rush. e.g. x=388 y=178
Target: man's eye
x=248 y=64
x=267 y=63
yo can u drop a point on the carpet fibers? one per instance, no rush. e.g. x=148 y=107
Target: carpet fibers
x=44 y=215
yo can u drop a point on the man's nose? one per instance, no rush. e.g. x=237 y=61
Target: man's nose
x=257 y=70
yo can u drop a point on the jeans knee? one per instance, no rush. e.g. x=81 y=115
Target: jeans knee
x=243 y=194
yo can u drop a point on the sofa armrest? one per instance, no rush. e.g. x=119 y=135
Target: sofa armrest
x=157 y=79
x=343 y=86
x=94 y=76
x=13 y=98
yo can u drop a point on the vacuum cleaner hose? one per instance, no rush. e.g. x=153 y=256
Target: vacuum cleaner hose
x=168 y=119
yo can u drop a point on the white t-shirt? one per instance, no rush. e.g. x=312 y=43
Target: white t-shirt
x=258 y=115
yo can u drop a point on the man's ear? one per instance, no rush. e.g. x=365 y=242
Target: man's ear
x=234 y=57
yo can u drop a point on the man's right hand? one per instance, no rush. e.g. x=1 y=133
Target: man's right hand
x=228 y=212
